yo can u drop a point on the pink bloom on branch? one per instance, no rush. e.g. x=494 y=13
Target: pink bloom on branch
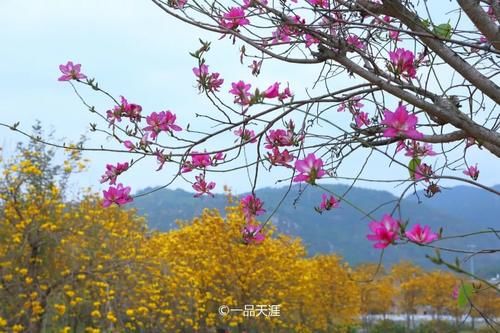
x=125 y=109
x=116 y=195
x=355 y=42
x=310 y=40
x=234 y=18
x=415 y=149
x=272 y=91
x=421 y=235
x=310 y=168
x=327 y=203
x=286 y=93
x=129 y=145
x=210 y=82
x=400 y=123
x=362 y=119
x=403 y=62
x=384 y=232
x=319 y=3
x=252 y=234
x=240 y=90
x=162 y=121
x=246 y=135
x=472 y=172
x=71 y=72
x=252 y=206
x=202 y=187
x=280 y=158
x=112 y=172
x=423 y=171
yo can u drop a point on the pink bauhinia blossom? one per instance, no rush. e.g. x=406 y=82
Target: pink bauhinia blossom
x=355 y=42
x=401 y=123
x=112 y=172
x=209 y=82
x=125 y=109
x=319 y=3
x=255 y=67
x=71 y=72
x=415 y=149
x=472 y=172
x=240 y=90
x=421 y=235
x=201 y=161
x=362 y=119
x=234 y=18
x=310 y=168
x=252 y=234
x=162 y=121
x=116 y=195
x=310 y=40
x=402 y=62
x=384 y=232
x=202 y=187
x=327 y=203
x=286 y=93
x=423 y=171
x=129 y=145
x=246 y=135
x=252 y=206
x=272 y=91
x=280 y=158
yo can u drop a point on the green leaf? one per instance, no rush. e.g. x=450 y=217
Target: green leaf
x=464 y=294
x=426 y=23
x=443 y=30
x=412 y=166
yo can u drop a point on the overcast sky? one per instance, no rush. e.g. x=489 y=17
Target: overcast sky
x=135 y=50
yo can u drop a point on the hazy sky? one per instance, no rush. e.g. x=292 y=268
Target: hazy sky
x=135 y=50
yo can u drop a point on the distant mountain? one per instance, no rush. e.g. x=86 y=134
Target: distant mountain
x=458 y=210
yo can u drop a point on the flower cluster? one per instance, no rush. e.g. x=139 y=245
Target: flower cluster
x=207 y=81
x=158 y=122
x=125 y=109
x=402 y=62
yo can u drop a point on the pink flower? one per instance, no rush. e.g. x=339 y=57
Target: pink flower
x=319 y=3
x=201 y=161
x=472 y=172
x=402 y=62
x=71 y=72
x=162 y=121
x=248 y=3
x=206 y=81
x=252 y=206
x=280 y=158
x=286 y=93
x=394 y=35
x=421 y=235
x=469 y=142
x=327 y=203
x=310 y=40
x=252 y=234
x=423 y=171
x=362 y=119
x=279 y=138
x=202 y=187
x=125 y=109
x=310 y=168
x=129 y=145
x=355 y=42
x=116 y=195
x=161 y=158
x=384 y=232
x=353 y=104
x=272 y=91
x=240 y=90
x=112 y=172
x=400 y=123
x=246 y=135
x=234 y=18
x=415 y=149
